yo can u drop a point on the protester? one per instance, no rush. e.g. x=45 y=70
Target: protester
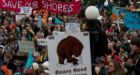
x=114 y=68
x=123 y=52
x=100 y=68
x=135 y=45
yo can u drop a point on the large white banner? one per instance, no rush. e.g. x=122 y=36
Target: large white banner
x=69 y=54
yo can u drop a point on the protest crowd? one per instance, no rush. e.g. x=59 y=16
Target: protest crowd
x=121 y=56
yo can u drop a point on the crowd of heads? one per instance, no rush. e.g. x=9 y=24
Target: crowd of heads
x=123 y=45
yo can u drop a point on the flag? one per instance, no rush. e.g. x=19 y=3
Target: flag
x=57 y=21
x=29 y=61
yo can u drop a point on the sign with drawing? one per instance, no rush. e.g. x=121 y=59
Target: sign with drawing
x=69 y=54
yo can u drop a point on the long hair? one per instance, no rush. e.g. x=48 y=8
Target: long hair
x=136 y=41
x=118 y=68
x=11 y=39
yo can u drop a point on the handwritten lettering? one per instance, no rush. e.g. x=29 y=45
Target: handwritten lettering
x=55 y=7
x=62 y=72
x=75 y=71
x=11 y=4
x=79 y=69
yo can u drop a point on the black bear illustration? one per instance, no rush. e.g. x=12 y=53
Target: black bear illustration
x=68 y=47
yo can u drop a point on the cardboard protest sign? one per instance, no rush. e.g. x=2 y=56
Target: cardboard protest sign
x=72 y=27
x=19 y=17
x=25 y=46
x=42 y=42
x=26 y=10
x=69 y=54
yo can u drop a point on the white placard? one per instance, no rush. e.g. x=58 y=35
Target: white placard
x=72 y=27
x=26 y=10
x=19 y=17
x=69 y=46
x=42 y=42
x=58 y=33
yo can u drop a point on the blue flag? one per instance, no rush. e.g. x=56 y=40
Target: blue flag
x=29 y=61
x=57 y=21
